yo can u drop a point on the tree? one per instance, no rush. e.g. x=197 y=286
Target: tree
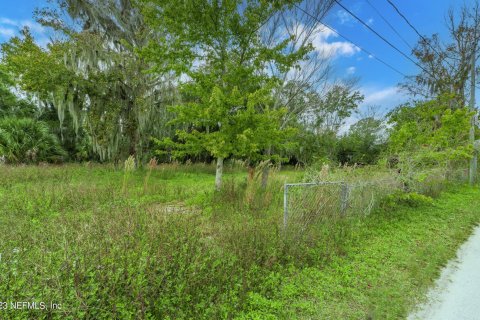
x=320 y=120
x=363 y=143
x=431 y=133
x=445 y=68
x=216 y=46
x=10 y=104
x=302 y=24
x=41 y=74
x=94 y=73
x=27 y=140
x=330 y=111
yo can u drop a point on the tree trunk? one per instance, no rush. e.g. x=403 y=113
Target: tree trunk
x=251 y=173
x=218 y=174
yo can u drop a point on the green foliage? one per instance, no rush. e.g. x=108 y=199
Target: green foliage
x=431 y=132
x=39 y=71
x=364 y=142
x=176 y=251
x=228 y=107
x=28 y=141
x=318 y=125
x=387 y=270
x=10 y=104
x=311 y=147
x=138 y=257
x=331 y=110
x=242 y=134
x=98 y=90
x=410 y=199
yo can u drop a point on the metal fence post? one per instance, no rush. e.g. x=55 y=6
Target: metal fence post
x=344 y=198
x=285 y=206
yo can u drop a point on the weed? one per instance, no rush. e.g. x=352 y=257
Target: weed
x=152 y=164
x=128 y=168
x=171 y=248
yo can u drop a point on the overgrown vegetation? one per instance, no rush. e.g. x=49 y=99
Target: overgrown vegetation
x=175 y=97
x=97 y=241
x=26 y=140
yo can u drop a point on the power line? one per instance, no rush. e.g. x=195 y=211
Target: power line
x=420 y=35
x=389 y=24
x=416 y=30
x=383 y=38
x=352 y=42
x=406 y=20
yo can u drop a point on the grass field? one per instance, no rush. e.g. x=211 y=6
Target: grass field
x=107 y=246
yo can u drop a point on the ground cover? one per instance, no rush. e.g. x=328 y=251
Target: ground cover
x=172 y=248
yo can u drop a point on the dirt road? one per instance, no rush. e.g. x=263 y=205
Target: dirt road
x=456 y=295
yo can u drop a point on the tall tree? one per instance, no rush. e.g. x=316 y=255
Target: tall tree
x=448 y=68
x=10 y=104
x=430 y=132
x=363 y=143
x=106 y=88
x=302 y=24
x=321 y=118
x=217 y=47
x=445 y=67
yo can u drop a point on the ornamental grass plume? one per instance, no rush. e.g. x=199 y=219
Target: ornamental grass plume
x=324 y=173
x=152 y=164
x=128 y=169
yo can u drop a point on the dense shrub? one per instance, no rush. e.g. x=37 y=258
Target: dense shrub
x=410 y=199
x=28 y=141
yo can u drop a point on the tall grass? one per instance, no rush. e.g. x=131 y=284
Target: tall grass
x=174 y=250
x=72 y=235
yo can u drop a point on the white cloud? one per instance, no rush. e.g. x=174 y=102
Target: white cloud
x=7 y=32
x=20 y=24
x=380 y=99
x=343 y=16
x=351 y=70
x=34 y=26
x=327 y=48
x=386 y=97
x=8 y=21
x=9 y=28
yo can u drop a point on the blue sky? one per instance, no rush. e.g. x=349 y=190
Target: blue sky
x=377 y=82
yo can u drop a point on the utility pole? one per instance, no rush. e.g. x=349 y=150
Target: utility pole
x=473 y=161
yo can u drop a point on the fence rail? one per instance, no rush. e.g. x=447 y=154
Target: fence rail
x=305 y=203
x=321 y=201
x=309 y=202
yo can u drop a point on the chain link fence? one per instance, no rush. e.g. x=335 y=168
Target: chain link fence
x=328 y=201
x=306 y=203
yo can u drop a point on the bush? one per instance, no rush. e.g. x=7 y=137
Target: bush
x=411 y=199
x=28 y=141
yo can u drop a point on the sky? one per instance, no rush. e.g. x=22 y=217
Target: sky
x=377 y=82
